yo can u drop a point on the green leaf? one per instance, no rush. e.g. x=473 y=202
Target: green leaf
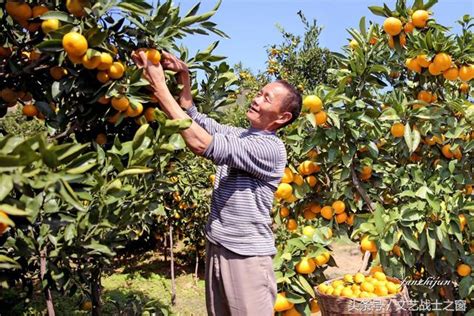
x=12 y=210
x=6 y=185
x=53 y=45
x=431 y=239
x=177 y=141
x=8 y=263
x=306 y=286
x=377 y=10
x=59 y=15
x=134 y=171
x=99 y=249
x=379 y=222
x=466 y=286
x=410 y=239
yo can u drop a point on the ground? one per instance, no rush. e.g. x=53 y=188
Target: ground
x=141 y=285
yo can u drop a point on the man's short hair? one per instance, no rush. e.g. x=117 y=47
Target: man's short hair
x=292 y=102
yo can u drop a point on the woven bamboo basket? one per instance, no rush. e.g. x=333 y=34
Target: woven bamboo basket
x=396 y=304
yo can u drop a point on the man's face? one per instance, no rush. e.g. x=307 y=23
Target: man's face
x=266 y=110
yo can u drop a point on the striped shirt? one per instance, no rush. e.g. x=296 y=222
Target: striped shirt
x=250 y=164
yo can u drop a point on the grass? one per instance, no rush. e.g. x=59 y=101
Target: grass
x=140 y=286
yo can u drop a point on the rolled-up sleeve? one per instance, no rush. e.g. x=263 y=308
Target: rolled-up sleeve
x=209 y=124
x=258 y=155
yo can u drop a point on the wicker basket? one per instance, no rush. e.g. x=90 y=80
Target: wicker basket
x=396 y=304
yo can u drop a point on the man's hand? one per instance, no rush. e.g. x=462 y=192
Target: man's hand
x=153 y=73
x=171 y=62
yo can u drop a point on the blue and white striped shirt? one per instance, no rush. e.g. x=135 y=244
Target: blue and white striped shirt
x=250 y=164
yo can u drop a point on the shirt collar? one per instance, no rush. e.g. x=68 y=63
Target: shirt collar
x=257 y=131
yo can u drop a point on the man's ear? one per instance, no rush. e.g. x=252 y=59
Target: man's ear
x=285 y=117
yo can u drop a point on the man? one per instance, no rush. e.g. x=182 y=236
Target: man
x=240 y=243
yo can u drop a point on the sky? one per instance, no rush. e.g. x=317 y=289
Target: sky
x=251 y=25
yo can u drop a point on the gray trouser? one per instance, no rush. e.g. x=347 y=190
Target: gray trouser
x=238 y=285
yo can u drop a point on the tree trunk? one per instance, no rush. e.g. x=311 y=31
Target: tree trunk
x=46 y=290
x=173 y=285
x=96 y=289
x=196 y=268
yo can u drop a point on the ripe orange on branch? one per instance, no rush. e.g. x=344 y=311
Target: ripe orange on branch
x=392 y=26
x=75 y=44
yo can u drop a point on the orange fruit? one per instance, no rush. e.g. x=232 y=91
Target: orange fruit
x=313 y=103
x=409 y=27
x=442 y=61
x=308 y=215
x=284 y=190
x=368 y=245
x=366 y=170
x=101 y=139
x=391 y=42
x=321 y=118
x=103 y=100
x=103 y=76
x=341 y=218
x=75 y=59
x=39 y=10
x=291 y=225
x=150 y=114
x=446 y=151
x=3 y=226
x=327 y=212
x=463 y=270
x=298 y=179
x=30 y=110
x=114 y=118
x=397 y=130
x=116 y=70
x=462 y=221
x=76 y=7
x=314 y=307
x=131 y=112
x=305 y=266
x=423 y=60
x=433 y=70
x=9 y=95
x=307 y=167
x=350 y=220
x=419 y=18
x=74 y=44
x=282 y=303
x=153 y=55
x=373 y=40
x=468 y=189
x=465 y=73
x=403 y=39
x=90 y=62
x=57 y=72
x=413 y=65
x=464 y=87
x=311 y=180
x=451 y=73
x=381 y=290
x=338 y=207
x=50 y=25
x=424 y=96
x=120 y=103
x=19 y=11
x=106 y=61
x=287 y=176
x=315 y=208
x=392 y=26
x=284 y=212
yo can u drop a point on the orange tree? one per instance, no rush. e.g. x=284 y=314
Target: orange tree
x=67 y=66
x=384 y=157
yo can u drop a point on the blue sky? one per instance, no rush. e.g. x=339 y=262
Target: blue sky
x=251 y=25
